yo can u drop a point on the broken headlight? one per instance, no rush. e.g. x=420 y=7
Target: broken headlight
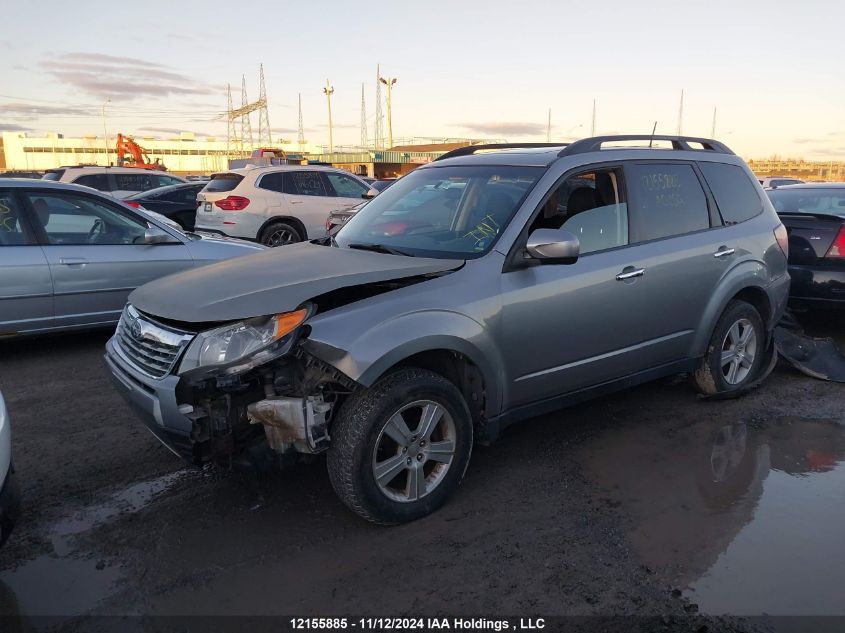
x=244 y=344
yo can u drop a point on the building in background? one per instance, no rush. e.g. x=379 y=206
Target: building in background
x=808 y=170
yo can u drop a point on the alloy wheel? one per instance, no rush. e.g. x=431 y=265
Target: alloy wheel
x=738 y=351
x=279 y=237
x=414 y=451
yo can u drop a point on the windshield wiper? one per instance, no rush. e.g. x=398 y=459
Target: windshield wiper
x=379 y=248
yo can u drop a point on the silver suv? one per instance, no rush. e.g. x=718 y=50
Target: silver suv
x=494 y=284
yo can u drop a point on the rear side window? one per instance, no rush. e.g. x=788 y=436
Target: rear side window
x=665 y=200
x=164 y=181
x=133 y=182
x=13 y=228
x=273 y=182
x=345 y=186
x=182 y=195
x=223 y=182
x=100 y=182
x=736 y=196
x=305 y=183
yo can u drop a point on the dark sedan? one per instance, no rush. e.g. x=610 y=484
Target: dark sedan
x=814 y=215
x=177 y=202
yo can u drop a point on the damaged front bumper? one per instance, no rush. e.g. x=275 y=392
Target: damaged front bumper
x=265 y=414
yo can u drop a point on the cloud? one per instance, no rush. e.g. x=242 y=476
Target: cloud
x=170 y=130
x=505 y=128
x=805 y=141
x=283 y=130
x=338 y=126
x=29 y=111
x=13 y=127
x=121 y=78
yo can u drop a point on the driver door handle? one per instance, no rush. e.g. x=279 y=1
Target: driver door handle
x=73 y=261
x=630 y=274
x=723 y=252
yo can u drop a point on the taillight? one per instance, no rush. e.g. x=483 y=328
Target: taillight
x=837 y=249
x=232 y=203
x=133 y=204
x=783 y=239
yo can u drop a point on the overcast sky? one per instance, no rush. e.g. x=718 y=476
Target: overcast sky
x=465 y=69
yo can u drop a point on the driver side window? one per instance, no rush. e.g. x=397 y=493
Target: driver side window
x=79 y=220
x=591 y=205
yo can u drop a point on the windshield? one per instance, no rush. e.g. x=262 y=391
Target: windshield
x=447 y=212
x=830 y=201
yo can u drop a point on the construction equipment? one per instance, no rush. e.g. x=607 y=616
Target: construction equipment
x=137 y=155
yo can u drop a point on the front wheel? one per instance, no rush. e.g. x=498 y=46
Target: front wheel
x=736 y=351
x=400 y=449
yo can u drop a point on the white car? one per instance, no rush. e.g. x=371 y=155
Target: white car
x=9 y=496
x=119 y=182
x=277 y=205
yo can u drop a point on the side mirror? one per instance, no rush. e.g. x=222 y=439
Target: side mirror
x=371 y=193
x=154 y=235
x=553 y=246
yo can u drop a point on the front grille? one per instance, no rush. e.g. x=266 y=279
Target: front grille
x=151 y=348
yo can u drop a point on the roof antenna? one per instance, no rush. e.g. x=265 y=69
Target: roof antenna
x=651 y=140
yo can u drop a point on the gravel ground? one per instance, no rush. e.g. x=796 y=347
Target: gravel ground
x=553 y=519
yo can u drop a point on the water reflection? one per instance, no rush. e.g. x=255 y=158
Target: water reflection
x=748 y=519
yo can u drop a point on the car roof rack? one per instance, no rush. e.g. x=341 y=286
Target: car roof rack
x=472 y=149
x=594 y=143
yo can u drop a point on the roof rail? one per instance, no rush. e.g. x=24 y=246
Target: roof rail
x=472 y=149
x=594 y=143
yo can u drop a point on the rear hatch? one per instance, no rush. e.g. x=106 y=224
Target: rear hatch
x=811 y=235
x=211 y=208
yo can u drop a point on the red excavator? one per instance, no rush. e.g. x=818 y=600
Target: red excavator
x=137 y=155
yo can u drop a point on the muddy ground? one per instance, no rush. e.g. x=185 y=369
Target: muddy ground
x=649 y=502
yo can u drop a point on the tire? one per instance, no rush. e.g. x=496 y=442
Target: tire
x=280 y=234
x=716 y=377
x=363 y=441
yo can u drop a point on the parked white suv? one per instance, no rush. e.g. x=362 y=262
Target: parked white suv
x=277 y=205
x=119 y=182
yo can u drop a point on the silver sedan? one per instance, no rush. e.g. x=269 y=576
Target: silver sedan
x=69 y=256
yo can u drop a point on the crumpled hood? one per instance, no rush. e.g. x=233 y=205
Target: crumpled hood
x=273 y=281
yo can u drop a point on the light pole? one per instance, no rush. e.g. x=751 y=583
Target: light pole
x=328 y=91
x=105 y=133
x=389 y=82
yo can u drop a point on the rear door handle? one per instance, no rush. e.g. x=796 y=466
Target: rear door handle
x=73 y=261
x=630 y=274
x=723 y=252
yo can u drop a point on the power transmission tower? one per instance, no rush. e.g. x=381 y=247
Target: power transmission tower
x=232 y=139
x=246 y=124
x=713 y=128
x=379 y=127
x=265 y=137
x=549 y=128
x=364 y=139
x=593 y=126
x=389 y=82
x=329 y=91
x=301 y=135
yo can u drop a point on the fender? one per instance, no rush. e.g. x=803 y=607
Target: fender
x=368 y=357
x=745 y=274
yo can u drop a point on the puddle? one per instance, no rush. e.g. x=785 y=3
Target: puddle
x=746 y=520
x=131 y=499
x=62 y=584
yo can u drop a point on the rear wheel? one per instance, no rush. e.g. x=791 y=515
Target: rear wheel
x=279 y=234
x=735 y=353
x=400 y=449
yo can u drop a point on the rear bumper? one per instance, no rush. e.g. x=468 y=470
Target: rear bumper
x=817 y=286
x=10 y=504
x=154 y=401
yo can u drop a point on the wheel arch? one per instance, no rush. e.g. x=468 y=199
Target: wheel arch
x=296 y=222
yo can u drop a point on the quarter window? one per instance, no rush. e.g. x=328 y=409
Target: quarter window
x=735 y=194
x=77 y=220
x=273 y=181
x=305 y=183
x=666 y=199
x=346 y=186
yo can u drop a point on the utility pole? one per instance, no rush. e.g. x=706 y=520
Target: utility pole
x=681 y=115
x=379 y=126
x=246 y=123
x=105 y=133
x=265 y=137
x=328 y=91
x=593 y=126
x=713 y=127
x=389 y=82
x=549 y=128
